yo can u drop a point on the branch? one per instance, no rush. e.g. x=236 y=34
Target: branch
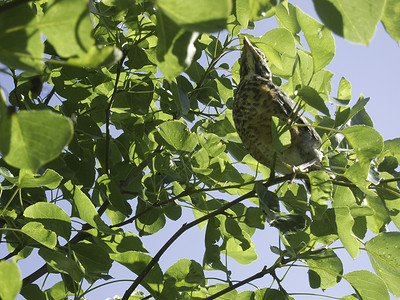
x=187 y=226
x=271 y=270
x=108 y=113
x=48 y=97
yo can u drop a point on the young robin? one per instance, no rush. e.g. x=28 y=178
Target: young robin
x=257 y=99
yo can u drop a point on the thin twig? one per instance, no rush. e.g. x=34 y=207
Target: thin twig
x=48 y=97
x=271 y=270
x=108 y=113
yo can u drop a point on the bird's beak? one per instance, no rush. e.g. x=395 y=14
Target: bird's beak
x=248 y=47
x=246 y=44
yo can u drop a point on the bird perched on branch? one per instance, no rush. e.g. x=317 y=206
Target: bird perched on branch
x=257 y=100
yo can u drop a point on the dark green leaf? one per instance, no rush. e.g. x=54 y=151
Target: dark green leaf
x=136 y=262
x=58 y=261
x=312 y=98
x=93 y=257
x=20 y=41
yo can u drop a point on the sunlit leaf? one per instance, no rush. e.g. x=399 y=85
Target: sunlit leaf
x=30 y=139
x=354 y=20
x=319 y=39
x=384 y=253
x=39 y=233
x=368 y=285
x=52 y=217
x=343 y=200
x=10 y=280
x=204 y=16
x=391 y=18
x=71 y=17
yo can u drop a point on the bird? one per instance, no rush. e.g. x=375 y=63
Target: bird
x=256 y=100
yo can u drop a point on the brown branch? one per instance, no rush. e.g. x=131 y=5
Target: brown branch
x=187 y=226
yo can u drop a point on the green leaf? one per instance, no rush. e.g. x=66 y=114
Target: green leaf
x=215 y=288
x=366 y=142
x=287 y=18
x=281 y=40
x=255 y=217
x=325 y=269
x=175 y=48
x=71 y=17
x=59 y=262
x=391 y=18
x=354 y=20
x=20 y=41
x=312 y=98
x=177 y=136
x=319 y=39
x=242 y=11
x=52 y=217
x=29 y=139
x=321 y=192
x=287 y=223
x=85 y=208
x=368 y=285
x=358 y=174
x=93 y=257
x=124 y=242
x=185 y=274
x=281 y=137
x=50 y=179
x=39 y=233
x=343 y=199
x=384 y=253
x=344 y=91
x=393 y=147
x=96 y=56
x=202 y=16
x=380 y=216
x=10 y=280
x=306 y=66
x=32 y=291
x=136 y=262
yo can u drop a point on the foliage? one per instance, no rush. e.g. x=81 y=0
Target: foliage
x=122 y=114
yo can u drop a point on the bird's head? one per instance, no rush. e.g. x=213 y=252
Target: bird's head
x=253 y=62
